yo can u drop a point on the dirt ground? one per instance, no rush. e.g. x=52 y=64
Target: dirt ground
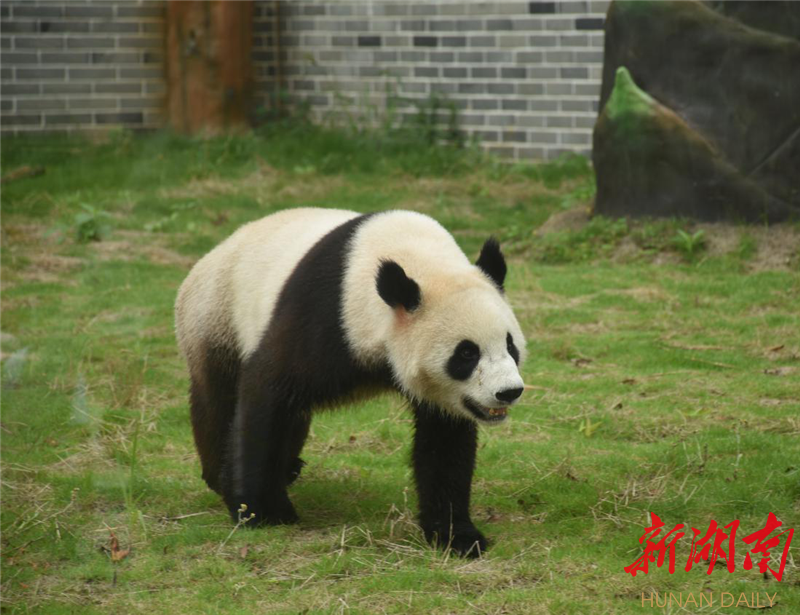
x=776 y=247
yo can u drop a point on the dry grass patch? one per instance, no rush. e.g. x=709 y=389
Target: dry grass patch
x=264 y=178
x=265 y=185
x=762 y=248
x=573 y=219
x=777 y=246
x=128 y=246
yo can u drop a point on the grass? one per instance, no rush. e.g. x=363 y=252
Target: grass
x=660 y=383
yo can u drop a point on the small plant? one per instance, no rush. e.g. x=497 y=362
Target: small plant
x=690 y=245
x=583 y=193
x=748 y=246
x=161 y=224
x=587 y=428
x=436 y=120
x=91 y=224
x=565 y=167
x=242 y=521
x=165 y=223
x=130 y=485
x=654 y=236
x=121 y=140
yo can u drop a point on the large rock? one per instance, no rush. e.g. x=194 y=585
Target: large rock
x=777 y=16
x=720 y=121
x=650 y=162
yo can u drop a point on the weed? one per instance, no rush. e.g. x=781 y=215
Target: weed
x=169 y=221
x=91 y=224
x=587 y=427
x=583 y=193
x=437 y=121
x=242 y=520
x=129 y=486
x=654 y=236
x=161 y=223
x=433 y=122
x=565 y=167
x=82 y=412
x=690 y=244
x=747 y=247
x=121 y=140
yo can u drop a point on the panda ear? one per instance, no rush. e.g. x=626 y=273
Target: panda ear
x=396 y=288
x=492 y=262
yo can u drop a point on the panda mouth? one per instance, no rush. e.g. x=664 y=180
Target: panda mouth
x=482 y=413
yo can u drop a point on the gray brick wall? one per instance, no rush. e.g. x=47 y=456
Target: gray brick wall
x=266 y=57
x=524 y=75
x=73 y=64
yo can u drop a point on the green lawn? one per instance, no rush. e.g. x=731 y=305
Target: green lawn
x=665 y=375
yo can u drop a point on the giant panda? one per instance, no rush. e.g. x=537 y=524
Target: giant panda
x=309 y=308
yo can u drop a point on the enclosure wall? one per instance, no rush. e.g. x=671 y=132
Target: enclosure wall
x=524 y=76
x=79 y=65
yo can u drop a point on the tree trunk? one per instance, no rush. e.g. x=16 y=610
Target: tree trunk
x=209 y=73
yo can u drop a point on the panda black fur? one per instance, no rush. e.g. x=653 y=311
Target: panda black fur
x=312 y=307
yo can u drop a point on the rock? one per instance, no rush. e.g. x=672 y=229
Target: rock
x=719 y=106
x=776 y=16
x=649 y=162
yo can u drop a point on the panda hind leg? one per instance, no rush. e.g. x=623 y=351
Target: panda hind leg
x=297 y=439
x=266 y=436
x=212 y=396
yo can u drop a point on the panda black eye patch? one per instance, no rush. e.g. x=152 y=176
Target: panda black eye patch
x=512 y=349
x=464 y=360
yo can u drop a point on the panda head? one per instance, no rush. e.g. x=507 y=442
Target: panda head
x=454 y=341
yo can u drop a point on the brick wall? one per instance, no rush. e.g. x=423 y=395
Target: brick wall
x=267 y=57
x=78 y=65
x=525 y=75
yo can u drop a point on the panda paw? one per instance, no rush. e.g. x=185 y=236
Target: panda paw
x=295 y=467
x=470 y=543
x=255 y=515
x=466 y=540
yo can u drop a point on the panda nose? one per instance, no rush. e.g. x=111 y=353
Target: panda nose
x=508 y=395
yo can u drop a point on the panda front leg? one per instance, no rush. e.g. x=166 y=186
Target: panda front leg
x=444 y=461
x=260 y=447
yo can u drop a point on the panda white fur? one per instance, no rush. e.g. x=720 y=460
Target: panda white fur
x=312 y=307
